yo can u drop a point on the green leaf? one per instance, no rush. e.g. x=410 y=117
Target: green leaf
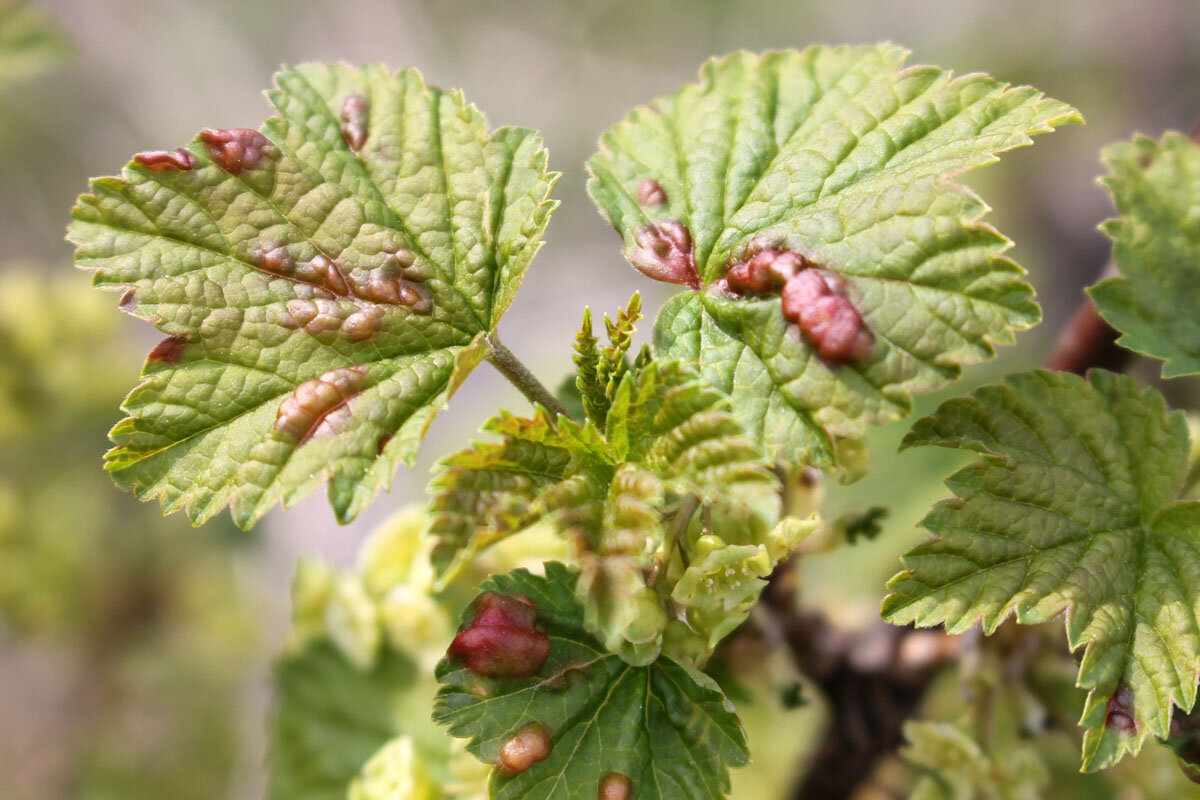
x=665 y=727
x=959 y=769
x=846 y=157
x=326 y=286
x=1073 y=510
x=29 y=41
x=671 y=467
x=1156 y=243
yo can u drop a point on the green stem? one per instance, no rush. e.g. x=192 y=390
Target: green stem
x=519 y=376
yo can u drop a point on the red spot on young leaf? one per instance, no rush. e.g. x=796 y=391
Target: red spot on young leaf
x=665 y=252
x=504 y=639
x=651 y=193
x=828 y=319
x=127 y=302
x=168 y=350
x=162 y=160
x=355 y=111
x=319 y=407
x=1120 y=711
x=236 y=150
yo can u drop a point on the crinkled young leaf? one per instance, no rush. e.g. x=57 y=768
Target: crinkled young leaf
x=325 y=284
x=29 y=40
x=621 y=496
x=847 y=157
x=665 y=727
x=1073 y=510
x=1156 y=243
x=961 y=770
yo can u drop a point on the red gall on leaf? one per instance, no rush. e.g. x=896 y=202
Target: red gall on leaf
x=168 y=350
x=827 y=319
x=615 y=786
x=665 y=253
x=236 y=150
x=525 y=748
x=504 y=639
x=651 y=193
x=162 y=160
x=1120 y=711
x=355 y=111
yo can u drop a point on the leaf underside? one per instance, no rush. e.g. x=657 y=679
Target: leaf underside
x=666 y=727
x=325 y=288
x=1156 y=243
x=1073 y=510
x=845 y=156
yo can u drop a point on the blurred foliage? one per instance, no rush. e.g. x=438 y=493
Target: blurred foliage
x=142 y=616
x=29 y=41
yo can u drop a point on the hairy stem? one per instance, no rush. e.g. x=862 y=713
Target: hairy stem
x=519 y=376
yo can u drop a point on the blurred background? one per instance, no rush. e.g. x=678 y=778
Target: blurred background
x=134 y=651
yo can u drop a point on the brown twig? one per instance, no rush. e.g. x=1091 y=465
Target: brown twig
x=1088 y=341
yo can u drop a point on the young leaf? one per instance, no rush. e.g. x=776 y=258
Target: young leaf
x=326 y=284
x=845 y=158
x=1156 y=243
x=588 y=722
x=627 y=499
x=1073 y=510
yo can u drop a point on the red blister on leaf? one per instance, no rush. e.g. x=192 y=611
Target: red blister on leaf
x=504 y=639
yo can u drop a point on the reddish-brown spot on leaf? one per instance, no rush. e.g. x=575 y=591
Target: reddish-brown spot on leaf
x=828 y=319
x=319 y=407
x=1120 y=711
x=615 y=786
x=504 y=639
x=127 y=301
x=665 y=253
x=525 y=748
x=162 y=160
x=355 y=111
x=651 y=193
x=236 y=150
x=168 y=350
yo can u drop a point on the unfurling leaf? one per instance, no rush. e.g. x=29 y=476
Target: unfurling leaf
x=1156 y=243
x=1075 y=510
x=639 y=499
x=807 y=198
x=588 y=724
x=326 y=283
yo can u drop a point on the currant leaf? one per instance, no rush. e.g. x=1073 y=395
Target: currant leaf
x=1075 y=510
x=640 y=498
x=834 y=167
x=1156 y=244
x=588 y=724
x=326 y=284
